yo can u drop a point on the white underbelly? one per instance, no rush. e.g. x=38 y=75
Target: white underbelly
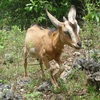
x=32 y=50
x=33 y=53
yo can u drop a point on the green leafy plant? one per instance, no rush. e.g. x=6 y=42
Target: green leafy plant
x=93 y=11
x=3 y=81
x=34 y=95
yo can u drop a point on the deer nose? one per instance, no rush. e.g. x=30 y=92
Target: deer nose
x=79 y=44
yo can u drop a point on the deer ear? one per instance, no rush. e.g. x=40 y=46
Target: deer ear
x=54 y=21
x=72 y=14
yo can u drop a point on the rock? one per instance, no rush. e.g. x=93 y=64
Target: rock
x=88 y=65
x=5 y=90
x=1 y=95
x=93 y=69
x=9 y=95
x=45 y=86
x=7 y=86
x=6 y=93
x=22 y=90
x=94 y=79
x=17 y=97
x=1 y=89
x=8 y=58
x=76 y=53
x=0 y=83
x=22 y=82
x=79 y=63
x=92 y=66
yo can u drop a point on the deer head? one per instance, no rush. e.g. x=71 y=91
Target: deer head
x=69 y=29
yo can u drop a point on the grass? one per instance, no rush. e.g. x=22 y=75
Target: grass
x=75 y=88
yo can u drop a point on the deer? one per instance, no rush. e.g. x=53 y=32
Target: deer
x=47 y=45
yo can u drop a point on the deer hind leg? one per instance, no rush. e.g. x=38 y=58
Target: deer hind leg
x=41 y=65
x=25 y=63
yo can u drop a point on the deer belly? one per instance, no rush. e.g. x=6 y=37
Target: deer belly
x=33 y=52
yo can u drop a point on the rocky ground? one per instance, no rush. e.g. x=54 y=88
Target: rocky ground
x=70 y=58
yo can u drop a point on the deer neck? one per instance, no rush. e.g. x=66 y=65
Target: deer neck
x=56 y=40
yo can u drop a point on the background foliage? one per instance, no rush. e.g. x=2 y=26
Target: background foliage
x=24 y=13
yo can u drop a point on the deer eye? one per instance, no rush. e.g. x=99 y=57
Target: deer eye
x=67 y=33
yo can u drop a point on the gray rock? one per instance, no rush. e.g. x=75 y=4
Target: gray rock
x=2 y=95
x=7 y=93
x=79 y=63
x=17 y=97
x=8 y=58
x=45 y=86
x=94 y=79
x=76 y=53
x=92 y=66
x=4 y=99
x=88 y=65
x=93 y=69
x=23 y=81
x=0 y=84
x=7 y=86
x=1 y=89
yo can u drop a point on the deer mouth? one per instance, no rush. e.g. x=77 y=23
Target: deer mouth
x=77 y=46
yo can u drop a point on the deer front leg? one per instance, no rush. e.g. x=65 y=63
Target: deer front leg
x=52 y=78
x=61 y=68
x=56 y=70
